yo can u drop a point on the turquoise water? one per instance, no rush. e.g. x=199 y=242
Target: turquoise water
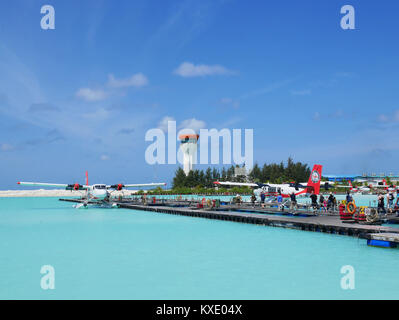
x=126 y=254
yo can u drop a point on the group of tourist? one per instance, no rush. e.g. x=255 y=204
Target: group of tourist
x=324 y=203
x=392 y=202
x=330 y=203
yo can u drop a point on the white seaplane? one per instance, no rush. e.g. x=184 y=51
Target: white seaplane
x=368 y=189
x=95 y=194
x=270 y=190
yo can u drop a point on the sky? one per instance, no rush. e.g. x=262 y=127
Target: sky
x=83 y=95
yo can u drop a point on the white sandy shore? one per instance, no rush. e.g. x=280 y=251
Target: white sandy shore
x=49 y=193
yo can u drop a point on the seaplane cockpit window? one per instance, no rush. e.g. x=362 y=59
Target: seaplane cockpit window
x=99 y=187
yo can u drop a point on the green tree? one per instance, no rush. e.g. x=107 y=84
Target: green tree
x=215 y=174
x=230 y=173
x=208 y=178
x=224 y=174
x=190 y=180
x=202 y=180
x=256 y=173
x=180 y=179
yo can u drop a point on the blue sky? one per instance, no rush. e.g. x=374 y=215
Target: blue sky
x=82 y=96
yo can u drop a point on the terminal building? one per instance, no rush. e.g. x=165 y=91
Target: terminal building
x=372 y=177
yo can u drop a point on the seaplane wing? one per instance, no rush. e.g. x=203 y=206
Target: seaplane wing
x=240 y=184
x=40 y=184
x=136 y=185
x=53 y=185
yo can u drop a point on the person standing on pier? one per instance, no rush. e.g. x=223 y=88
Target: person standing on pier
x=321 y=201
x=262 y=199
x=330 y=202
x=313 y=197
x=253 y=199
x=390 y=199
x=381 y=204
x=280 y=201
x=396 y=206
x=348 y=197
x=293 y=205
x=279 y=198
x=335 y=204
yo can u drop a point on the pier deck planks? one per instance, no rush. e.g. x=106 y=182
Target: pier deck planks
x=328 y=224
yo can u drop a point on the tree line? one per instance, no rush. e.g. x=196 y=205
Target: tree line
x=272 y=173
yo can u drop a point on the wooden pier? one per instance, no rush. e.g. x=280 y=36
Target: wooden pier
x=327 y=224
x=272 y=216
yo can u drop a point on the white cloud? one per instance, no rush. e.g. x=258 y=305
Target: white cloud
x=163 y=124
x=190 y=124
x=193 y=124
x=91 y=94
x=188 y=69
x=104 y=157
x=137 y=80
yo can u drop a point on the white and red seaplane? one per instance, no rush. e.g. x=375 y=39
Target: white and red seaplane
x=97 y=194
x=286 y=189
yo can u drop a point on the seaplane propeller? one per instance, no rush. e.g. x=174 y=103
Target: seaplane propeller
x=117 y=187
x=75 y=186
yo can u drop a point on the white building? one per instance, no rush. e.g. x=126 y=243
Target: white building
x=188 y=147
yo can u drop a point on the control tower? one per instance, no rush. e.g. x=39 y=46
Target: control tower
x=188 y=146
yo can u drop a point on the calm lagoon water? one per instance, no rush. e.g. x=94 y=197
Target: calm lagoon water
x=126 y=254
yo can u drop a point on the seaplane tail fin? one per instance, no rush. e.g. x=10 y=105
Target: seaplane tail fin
x=87 y=178
x=350 y=184
x=314 y=179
